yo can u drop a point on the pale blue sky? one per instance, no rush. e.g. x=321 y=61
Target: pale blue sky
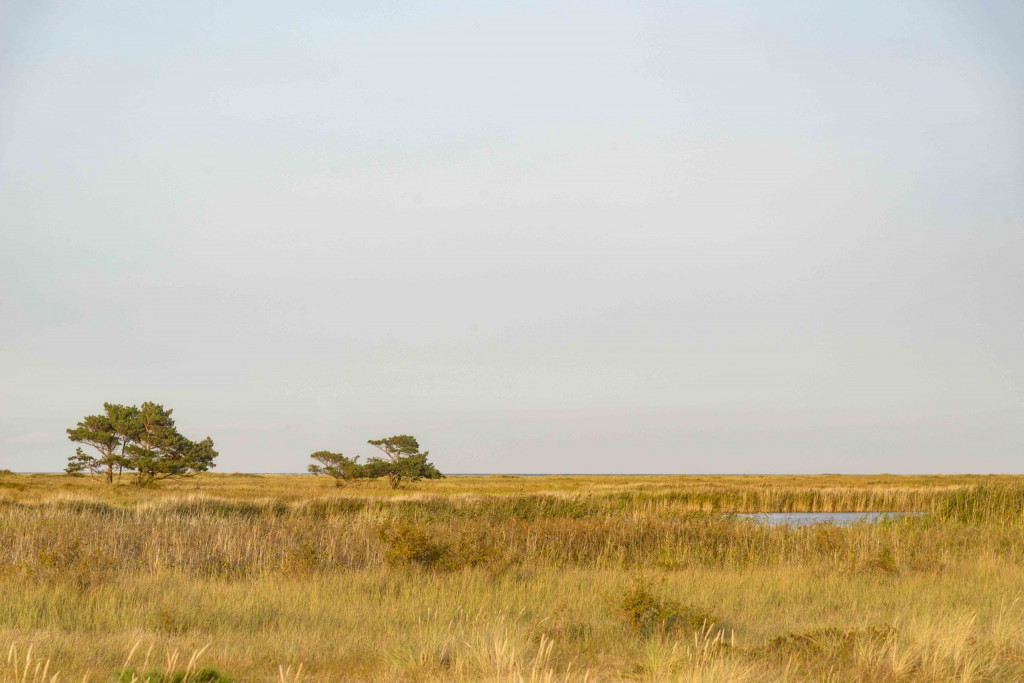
x=541 y=237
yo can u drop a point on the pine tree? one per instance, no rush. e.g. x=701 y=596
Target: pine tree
x=108 y=434
x=403 y=461
x=344 y=470
x=142 y=440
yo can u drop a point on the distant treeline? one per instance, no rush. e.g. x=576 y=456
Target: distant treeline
x=144 y=442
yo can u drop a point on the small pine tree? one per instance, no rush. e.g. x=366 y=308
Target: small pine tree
x=403 y=461
x=108 y=433
x=344 y=470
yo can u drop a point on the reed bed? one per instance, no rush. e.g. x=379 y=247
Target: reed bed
x=493 y=578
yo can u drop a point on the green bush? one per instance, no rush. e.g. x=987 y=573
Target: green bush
x=648 y=615
x=409 y=544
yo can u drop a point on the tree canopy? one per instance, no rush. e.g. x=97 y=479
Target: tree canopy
x=107 y=434
x=142 y=440
x=344 y=470
x=403 y=461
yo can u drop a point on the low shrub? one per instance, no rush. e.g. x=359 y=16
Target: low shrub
x=409 y=544
x=648 y=615
x=204 y=675
x=884 y=561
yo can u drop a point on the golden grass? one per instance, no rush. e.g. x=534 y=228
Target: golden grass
x=284 y=577
x=845 y=489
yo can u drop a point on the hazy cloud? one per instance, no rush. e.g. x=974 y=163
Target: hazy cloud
x=244 y=427
x=702 y=236
x=36 y=438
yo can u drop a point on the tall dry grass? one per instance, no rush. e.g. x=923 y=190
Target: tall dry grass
x=476 y=580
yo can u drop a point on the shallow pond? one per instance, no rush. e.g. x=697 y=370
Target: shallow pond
x=805 y=518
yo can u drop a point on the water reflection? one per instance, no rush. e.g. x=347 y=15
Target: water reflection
x=805 y=518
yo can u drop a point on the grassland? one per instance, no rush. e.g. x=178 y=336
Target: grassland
x=285 y=577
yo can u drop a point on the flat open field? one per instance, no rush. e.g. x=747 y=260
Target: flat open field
x=511 y=578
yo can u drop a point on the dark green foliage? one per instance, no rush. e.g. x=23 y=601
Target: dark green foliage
x=140 y=440
x=410 y=545
x=344 y=470
x=403 y=461
x=108 y=434
x=648 y=615
x=157 y=451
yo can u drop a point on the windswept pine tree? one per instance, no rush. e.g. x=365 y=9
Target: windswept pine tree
x=403 y=460
x=344 y=470
x=142 y=440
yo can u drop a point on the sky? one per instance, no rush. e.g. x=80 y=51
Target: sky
x=594 y=237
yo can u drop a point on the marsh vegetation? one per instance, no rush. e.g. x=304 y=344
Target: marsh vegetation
x=508 y=578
